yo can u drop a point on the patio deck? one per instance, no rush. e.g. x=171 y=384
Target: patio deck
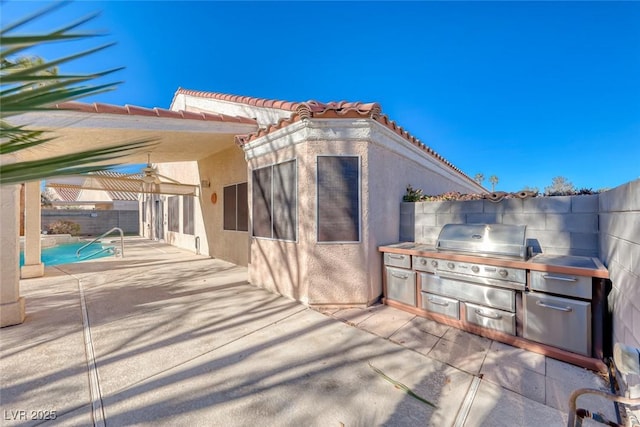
x=166 y=337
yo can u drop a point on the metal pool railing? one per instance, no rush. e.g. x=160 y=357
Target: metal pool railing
x=104 y=235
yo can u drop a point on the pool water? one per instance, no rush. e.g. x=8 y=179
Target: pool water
x=66 y=254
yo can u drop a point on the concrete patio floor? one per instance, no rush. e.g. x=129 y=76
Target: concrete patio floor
x=166 y=337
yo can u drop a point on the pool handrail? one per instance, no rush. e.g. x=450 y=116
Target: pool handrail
x=104 y=235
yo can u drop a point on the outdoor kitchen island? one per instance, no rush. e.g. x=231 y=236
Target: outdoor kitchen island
x=553 y=305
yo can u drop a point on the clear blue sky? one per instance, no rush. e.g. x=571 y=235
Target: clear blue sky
x=524 y=91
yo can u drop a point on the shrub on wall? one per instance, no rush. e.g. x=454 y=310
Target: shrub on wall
x=416 y=195
x=64 y=227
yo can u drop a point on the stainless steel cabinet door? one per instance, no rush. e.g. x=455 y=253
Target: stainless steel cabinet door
x=401 y=285
x=560 y=322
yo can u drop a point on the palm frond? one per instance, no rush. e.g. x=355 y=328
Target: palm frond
x=68 y=164
x=34 y=85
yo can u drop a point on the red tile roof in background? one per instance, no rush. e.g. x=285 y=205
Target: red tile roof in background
x=67 y=194
x=316 y=109
x=117 y=188
x=133 y=110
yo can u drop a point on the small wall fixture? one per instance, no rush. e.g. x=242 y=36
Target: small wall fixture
x=214 y=198
x=205 y=183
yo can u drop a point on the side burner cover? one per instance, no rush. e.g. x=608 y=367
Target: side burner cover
x=499 y=240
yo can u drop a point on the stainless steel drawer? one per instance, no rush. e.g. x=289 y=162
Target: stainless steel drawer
x=401 y=285
x=442 y=305
x=397 y=260
x=556 y=321
x=503 y=299
x=562 y=284
x=491 y=318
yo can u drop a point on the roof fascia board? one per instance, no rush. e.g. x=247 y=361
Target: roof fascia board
x=80 y=119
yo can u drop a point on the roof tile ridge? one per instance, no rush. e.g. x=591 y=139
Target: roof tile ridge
x=241 y=99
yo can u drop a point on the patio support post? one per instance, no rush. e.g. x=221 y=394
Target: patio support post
x=11 y=303
x=33 y=267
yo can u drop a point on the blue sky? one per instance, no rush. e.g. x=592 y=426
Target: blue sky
x=525 y=91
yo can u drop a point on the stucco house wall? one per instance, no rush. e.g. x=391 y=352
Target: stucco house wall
x=222 y=169
x=340 y=273
x=186 y=173
x=316 y=273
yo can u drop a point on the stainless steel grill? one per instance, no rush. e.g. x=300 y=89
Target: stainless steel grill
x=490 y=240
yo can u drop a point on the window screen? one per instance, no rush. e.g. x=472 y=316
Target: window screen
x=243 y=207
x=235 y=207
x=274 y=196
x=188 y=214
x=338 y=199
x=174 y=214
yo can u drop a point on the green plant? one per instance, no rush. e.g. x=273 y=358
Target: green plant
x=64 y=227
x=29 y=84
x=412 y=195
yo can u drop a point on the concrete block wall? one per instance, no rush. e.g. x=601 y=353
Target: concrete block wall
x=620 y=252
x=562 y=225
x=94 y=225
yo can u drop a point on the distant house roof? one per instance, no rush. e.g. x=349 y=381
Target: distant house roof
x=317 y=109
x=69 y=189
x=119 y=189
x=67 y=194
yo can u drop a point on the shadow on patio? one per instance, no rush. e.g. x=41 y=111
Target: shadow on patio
x=184 y=340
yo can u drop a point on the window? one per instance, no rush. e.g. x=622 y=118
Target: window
x=236 y=207
x=174 y=213
x=188 y=214
x=275 y=198
x=338 y=199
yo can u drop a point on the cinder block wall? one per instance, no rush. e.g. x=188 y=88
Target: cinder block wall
x=562 y=225
x=93 y=225
x=620 y=252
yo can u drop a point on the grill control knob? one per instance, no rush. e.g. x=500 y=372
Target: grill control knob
x=503 y=273
x=475 y=268
x=451 y=265
x=434 y=263
x=423 y=261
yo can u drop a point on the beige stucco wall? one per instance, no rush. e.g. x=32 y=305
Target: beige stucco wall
x=225 y=168
x=305 y=270
x=221 y=169
x=342 y=273
x=280 y=266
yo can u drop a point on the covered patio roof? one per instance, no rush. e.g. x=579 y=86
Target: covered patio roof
x=178 y=135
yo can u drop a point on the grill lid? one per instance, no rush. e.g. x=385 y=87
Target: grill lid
x=484 y=239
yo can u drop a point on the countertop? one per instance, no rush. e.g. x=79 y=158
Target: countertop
x=563 y=264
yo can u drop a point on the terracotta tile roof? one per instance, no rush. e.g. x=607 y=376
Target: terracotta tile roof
x=343 y=109
x=256 y=102
x=66 y=194
x=133 y=110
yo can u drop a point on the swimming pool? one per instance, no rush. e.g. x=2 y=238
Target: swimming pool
x=66 y=254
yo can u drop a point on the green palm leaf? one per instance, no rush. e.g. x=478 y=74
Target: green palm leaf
x=34 y=85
